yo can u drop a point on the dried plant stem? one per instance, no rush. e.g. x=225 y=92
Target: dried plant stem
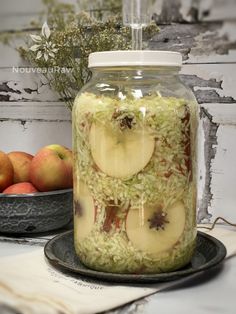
x=215 y=222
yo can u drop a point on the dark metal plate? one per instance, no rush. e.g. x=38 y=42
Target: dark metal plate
x=60 y=252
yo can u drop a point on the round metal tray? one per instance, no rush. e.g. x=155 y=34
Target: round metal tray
x=60 y=252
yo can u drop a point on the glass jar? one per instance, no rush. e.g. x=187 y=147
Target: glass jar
x=134 y=142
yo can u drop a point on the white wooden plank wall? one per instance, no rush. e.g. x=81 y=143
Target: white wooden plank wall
x=204 y=31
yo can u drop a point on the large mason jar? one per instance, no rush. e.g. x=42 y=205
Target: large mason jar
x=134 y=142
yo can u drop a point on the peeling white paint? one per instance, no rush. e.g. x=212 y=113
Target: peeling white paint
x=229 y=30
x=20 y=82
x=224 y=174
x=212 y=57
x=210 y=51
x=219 y=72
x=157 y=6
x=185 y=9
x=32 y=135
x=224 y=114
x=40 y=90
x=218 y=10
x=28 y=111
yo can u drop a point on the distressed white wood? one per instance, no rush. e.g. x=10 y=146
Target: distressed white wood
x=223 y=76
x=16 y=22
x=30 y=136
x=198 y=43
x=17 y=15
x=168 y=11
x=210 y=82
x=209 y=10
x=14 y=16
x=29 y=126
x=223 y=166
x=229 y=30
x=209 y=46
x=206 y=57
x=224 y=174
x=9 y=56
x=22 y=7
x=217 y=10
x=41 y=111
x=26 y=7
x=223 y=114
x=25 y=84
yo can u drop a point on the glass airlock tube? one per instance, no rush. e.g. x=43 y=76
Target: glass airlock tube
x=136 y=14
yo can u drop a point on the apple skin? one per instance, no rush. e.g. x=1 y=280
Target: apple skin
x=21 y=164
x=6 y=171
x=20 y=188
x=52 y=168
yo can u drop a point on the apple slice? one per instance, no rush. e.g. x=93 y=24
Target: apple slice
x=152 y=230
x=85 y=211
x=120 y=153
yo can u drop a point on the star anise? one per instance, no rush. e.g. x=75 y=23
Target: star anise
x=158 y=220
x=126 y=121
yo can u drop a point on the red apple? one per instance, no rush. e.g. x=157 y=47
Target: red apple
x=6 y=171
x=21 y=165
x=20 y=188
x=52 y=168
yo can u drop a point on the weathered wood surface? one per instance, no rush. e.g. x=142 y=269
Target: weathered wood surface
x=30 y=136
x=25 y=85
x=168 y=11
x=218 y=194
x=9 y=54
x=198 y=43
x=28 y=126
x=209 y=82
x=202 y=30
x=14 y=16
x=34 y=111
x=18 y=15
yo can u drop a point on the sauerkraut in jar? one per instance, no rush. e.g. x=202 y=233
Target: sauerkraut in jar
x=134 y=141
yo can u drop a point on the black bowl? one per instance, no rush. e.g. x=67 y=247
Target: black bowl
x=35 y=212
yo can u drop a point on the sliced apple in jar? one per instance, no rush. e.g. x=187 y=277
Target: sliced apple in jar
x=120 y=153
x=85 y=211
x=153 y=230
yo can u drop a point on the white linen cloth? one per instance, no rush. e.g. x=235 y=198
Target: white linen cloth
x=32 y=286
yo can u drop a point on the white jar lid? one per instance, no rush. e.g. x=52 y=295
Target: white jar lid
x=121 y=58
